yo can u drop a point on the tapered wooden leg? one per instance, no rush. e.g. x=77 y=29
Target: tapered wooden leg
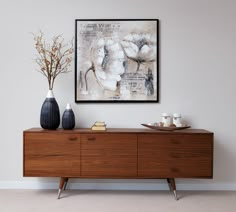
x=62 y=181
x=168 y=181
x=66 y=181
x=171 y=182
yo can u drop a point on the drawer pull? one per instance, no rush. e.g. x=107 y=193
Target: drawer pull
x=174 y=155
x=174 y=141
x=72 y=138
x=91 y=138
x=174 y=170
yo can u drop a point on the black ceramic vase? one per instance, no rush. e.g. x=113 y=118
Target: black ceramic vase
x=68 y=118
x=50 y=113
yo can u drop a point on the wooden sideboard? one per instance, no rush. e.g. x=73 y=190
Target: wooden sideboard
x=118 y=153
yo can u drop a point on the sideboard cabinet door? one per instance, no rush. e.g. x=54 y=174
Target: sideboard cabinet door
x=51 y=154
x=109 y=155
x=175 y=156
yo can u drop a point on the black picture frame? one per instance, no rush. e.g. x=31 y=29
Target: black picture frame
x=116 y=60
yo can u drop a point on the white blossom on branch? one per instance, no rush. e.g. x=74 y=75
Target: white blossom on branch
x=53 y=58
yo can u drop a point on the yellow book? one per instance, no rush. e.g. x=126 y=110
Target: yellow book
x=95 y=127
x=99 y=123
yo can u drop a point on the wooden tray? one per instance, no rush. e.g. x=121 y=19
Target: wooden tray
x=164 y=128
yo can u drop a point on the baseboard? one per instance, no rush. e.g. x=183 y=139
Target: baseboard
x=115 y=186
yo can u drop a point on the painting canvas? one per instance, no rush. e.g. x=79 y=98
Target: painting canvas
x=116 y=60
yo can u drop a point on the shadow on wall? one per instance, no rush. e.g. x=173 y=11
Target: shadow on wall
x=223 y=160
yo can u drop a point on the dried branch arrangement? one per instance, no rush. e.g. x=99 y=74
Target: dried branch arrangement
x=53 y=58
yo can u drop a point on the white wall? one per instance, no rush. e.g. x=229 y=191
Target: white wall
x=197 y=75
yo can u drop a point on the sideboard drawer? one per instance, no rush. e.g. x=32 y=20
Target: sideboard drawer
x=51 y=154
x=175 y=156
x=52 y=136
x=111 y=155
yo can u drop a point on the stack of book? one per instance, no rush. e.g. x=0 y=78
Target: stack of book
x=99 y=125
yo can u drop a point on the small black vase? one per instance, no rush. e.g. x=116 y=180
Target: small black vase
x=68 y=118
x=50 y=113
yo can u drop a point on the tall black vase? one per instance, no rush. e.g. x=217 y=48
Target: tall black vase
x=68 y=118
x=50 y=113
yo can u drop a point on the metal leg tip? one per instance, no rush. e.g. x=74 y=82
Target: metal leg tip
x=59 y=194
x=175 y=194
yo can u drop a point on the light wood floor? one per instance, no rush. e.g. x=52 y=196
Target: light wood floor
x=116 y=201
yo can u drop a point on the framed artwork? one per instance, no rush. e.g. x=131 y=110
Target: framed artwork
x=116 y=60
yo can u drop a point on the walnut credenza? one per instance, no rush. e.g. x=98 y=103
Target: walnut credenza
x=118 y=153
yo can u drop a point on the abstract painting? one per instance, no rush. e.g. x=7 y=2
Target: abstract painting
x=116 y=60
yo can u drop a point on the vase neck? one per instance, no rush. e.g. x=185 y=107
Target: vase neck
x=50 y=94
x=68 y=107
